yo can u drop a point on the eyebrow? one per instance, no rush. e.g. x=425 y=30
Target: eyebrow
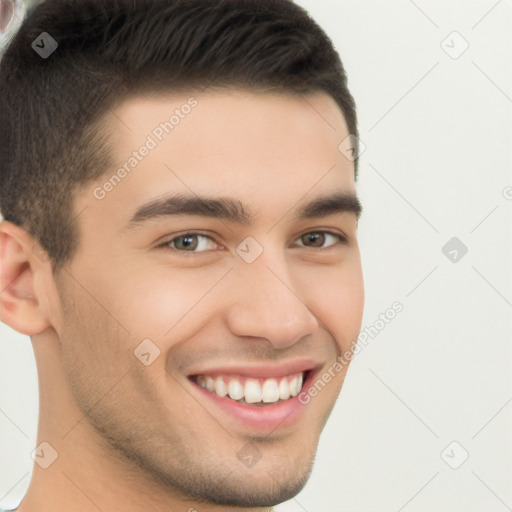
x=234 y=211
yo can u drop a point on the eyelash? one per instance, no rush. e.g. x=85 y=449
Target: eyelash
x=166 y=245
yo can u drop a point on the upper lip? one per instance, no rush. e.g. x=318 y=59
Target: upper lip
x=260 y=370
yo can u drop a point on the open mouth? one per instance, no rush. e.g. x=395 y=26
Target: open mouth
x=253 y=391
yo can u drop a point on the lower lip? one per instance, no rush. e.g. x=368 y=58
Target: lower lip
x=267 y=417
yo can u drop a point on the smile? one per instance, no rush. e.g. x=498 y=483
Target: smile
x=255 y=391
x=259 y=398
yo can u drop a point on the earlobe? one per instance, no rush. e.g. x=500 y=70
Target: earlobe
x=20 y=306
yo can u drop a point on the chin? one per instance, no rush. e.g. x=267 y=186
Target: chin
x=263 y=491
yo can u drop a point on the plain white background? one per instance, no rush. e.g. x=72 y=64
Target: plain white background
x=434 y=386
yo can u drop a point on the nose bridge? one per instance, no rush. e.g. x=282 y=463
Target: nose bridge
x=267 y=305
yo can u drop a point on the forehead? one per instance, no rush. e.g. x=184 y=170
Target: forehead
x=232 y=123
x=231 y=105
x=259 y=147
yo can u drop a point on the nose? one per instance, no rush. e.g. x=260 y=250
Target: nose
x=266 y=305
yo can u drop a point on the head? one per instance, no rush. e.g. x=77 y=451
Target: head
x=178 y=218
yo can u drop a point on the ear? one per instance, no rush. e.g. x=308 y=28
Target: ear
x=22 y=261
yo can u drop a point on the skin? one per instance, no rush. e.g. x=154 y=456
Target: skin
x=135 y=437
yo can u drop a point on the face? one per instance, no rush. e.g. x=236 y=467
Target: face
x=216 y=277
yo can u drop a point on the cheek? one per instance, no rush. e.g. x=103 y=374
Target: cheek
x=169 y=302
x=338 y=301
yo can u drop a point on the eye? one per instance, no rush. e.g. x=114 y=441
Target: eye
x=190 y=243
x=317 y=239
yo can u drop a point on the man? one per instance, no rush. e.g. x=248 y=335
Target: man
x=180 y=243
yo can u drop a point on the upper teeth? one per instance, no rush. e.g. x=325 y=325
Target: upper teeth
x=253 y=390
